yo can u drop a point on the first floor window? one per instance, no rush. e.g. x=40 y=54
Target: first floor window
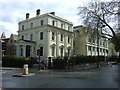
x=61 y=38
x=41 y=35
x=31 y=37
x=53 y=36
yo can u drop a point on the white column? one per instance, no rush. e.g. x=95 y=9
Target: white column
x=48 y=43
x=57 y=44
x=65 y=44
x=17 y=50
x=24 y=50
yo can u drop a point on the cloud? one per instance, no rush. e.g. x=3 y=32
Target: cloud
x=14 y=11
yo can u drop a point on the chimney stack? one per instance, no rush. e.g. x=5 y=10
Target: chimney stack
x=27 y=15
x=53 y=13
x=38 y=12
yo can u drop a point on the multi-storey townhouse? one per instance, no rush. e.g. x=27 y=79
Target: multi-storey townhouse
x=52 y=34
x=11 y=45
x=86 y=43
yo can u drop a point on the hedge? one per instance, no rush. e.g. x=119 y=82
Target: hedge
x=61 y=62
x=13 y=61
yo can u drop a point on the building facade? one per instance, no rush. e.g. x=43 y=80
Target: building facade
x=89 y=45
x=11 y=45
x=4 y=42
x=48 y=32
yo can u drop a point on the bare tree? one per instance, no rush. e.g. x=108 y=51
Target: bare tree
x=99 y=14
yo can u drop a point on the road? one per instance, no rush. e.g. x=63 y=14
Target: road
x=101 y=78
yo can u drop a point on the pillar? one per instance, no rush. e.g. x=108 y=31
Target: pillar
x=57 y=44
x=24 y=50
x=48 y=43
x=65 y=45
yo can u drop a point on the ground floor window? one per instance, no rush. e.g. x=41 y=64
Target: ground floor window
x=53 y=51
x=61 y=51
x=41 y=51
x=69 y=52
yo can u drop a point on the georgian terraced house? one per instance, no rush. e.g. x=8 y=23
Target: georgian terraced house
x=52 y=34
x=87 y=44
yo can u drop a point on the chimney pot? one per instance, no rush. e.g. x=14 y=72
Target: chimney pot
x=27 y=15
x=38 y=12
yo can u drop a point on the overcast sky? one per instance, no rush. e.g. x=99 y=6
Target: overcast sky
x=13 y=11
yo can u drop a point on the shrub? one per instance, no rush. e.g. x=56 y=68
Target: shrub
x=13 y=61
x=59 y=62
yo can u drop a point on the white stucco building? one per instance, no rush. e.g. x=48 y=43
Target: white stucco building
x=52 y=34
x=86 y=43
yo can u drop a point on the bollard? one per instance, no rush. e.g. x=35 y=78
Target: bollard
x=25 y=70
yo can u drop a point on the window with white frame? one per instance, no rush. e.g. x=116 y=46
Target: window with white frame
x=41 y=22
x=53 y=36
x=89 y=40
x=23 y=27
x=89 y=48
x=31 y=25
x=22 y=37
x=68 y=39
x=53 y=51
x=41 y=51
x=53 y=23
x=61 y=51
x=31 y=37
x=68 y=51
x=61 y=37
x=41 y=35
x=68 y=28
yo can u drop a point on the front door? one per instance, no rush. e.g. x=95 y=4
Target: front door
x=27 y=51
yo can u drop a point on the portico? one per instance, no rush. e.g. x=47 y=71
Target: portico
x=25 y=48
